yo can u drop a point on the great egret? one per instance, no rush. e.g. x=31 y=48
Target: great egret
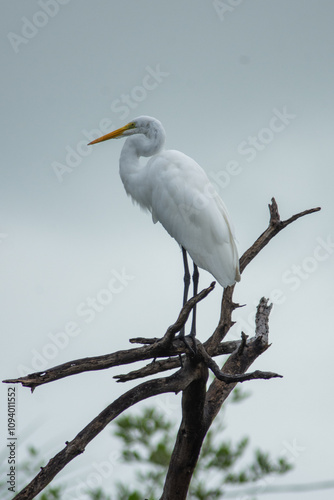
x=178 y=193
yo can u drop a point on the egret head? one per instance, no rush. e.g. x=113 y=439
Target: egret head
x=151 y=127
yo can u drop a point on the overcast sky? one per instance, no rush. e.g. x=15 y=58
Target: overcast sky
x=246 y=89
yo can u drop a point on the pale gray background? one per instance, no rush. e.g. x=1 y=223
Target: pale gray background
x=224 y=75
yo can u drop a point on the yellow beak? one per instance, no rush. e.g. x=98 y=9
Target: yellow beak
x=112 y=135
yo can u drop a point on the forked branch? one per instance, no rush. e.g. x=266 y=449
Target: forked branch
x=275 y=226
x=228 y=306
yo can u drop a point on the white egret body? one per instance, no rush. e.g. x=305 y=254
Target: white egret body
x=178 y=193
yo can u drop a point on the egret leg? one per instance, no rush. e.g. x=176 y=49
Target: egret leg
x=186 y=280
x=195 y=283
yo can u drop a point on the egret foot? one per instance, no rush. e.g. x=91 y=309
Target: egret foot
x=192 y=335
x=185 y=340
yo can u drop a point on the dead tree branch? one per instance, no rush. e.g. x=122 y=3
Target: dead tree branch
x=189 y=438
x=239 y=361
x=199 y=405
x=175 y=383
x=161 y=348
x=185 y=455
x=275 y=226
x=170 y=363
x=228 y=306
x=227 y=378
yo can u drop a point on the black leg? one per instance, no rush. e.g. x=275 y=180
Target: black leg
x=186 y=280
x=195 y=282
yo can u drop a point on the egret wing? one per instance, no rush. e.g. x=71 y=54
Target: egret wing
x=187 y=205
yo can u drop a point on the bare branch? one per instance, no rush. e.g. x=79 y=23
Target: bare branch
x=161 y=348
x=150 y=369
x=188 y=444
x=200 y=406
x=170 y=363
x=238 y=363
x=175 y=383
x=275 y=226
x=228 y=306
x=189 y=438
x=225 y=321
x=229 y=378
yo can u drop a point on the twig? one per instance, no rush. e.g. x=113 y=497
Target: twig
x=229 y=378
x=243 y=343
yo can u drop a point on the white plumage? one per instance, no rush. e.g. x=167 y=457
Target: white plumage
x=178 y=193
